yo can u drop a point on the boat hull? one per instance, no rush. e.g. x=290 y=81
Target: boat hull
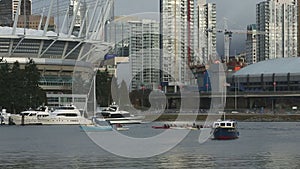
x=28 y=120
x=225 y=133
x=65 y=121
x=113 y=121
x=50 y=120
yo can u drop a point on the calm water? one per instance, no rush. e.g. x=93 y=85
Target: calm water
x=261 y=145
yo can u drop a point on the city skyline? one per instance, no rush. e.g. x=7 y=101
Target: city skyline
x=239 y=14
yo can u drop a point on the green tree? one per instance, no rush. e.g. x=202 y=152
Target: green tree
x=4 y=84
x=16 y=87
x=33 y=93
x=103 y=88
x=19 y=88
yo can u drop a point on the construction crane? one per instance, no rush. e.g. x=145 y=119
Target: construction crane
x=228 y=37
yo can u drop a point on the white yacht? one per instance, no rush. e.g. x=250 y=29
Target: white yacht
x=31 y=116
x=114 y=115
x=65 y=115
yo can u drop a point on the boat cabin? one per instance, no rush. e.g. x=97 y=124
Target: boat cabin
x=113 y=112
x=225 y=124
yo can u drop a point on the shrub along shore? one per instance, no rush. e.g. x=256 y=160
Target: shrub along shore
x=238 y=117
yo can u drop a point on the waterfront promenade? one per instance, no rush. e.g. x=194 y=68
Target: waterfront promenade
x=239 y=117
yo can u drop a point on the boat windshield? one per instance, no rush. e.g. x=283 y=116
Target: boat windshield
x=28 y=113
x=67 y=114
x=113 y=109
x=65 y=108
x=41 y=109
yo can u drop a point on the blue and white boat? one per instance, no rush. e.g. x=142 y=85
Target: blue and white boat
x=225 y=130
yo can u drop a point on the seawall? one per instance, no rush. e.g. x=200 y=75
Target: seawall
x=238 y=117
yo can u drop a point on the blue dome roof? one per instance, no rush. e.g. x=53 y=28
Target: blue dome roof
x=277 y=66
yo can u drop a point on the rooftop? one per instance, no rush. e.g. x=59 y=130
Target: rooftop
x=277 y=66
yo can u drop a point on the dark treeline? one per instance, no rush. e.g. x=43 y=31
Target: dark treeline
x=103 y=89
x=19 y=89
x=108 y=91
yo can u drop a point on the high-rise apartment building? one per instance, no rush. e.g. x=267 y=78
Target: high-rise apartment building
x=178 y=40
x=186 y=39
x=144 y=53
x=298 y=37
x=117 y=32
x=251 y=44
x=278 y=19
x=207 y=22
x=139 y=40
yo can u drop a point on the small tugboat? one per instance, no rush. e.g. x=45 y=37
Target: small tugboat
x=225 y=130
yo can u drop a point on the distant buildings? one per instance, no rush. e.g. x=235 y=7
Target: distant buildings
x=278 y=19
x=8 y=9
x=35 y=22
x=81 y=15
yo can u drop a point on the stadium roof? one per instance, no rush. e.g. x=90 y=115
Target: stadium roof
x=277 y=66
x=30 y=32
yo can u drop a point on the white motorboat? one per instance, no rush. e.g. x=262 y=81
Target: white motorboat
x=31 y=116
x=65 y=115
x=114 y=115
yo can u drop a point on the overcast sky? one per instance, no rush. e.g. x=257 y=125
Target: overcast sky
x=240 y=13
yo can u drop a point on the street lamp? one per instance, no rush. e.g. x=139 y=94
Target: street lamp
x=273 y=99
x=142 y=101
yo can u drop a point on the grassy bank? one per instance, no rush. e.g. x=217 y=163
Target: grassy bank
x=238 y=117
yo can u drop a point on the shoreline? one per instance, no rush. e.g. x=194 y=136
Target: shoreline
x=238 y=117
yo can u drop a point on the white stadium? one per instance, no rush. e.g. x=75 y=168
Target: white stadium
x=58 y=54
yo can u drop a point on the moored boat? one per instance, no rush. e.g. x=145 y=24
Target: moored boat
x=114 y=115
x=225 y=130
x=31 y=116
x=65 y=115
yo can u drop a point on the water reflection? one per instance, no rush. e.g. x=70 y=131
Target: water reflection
x=185 y=160
x=262 y=145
